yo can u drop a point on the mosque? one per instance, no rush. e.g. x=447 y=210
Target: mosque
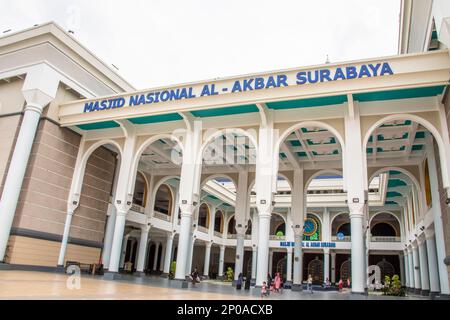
x=338 y=171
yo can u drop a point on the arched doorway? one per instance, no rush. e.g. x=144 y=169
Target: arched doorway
x=315 y=269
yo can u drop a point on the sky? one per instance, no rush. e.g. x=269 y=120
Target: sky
x=163 y=42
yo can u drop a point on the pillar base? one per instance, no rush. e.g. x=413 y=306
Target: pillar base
x=287 y=285
x=434 y=294
x=164 y=275
x=112 y=276
x=359 y=293
x=417 y=291
x=60 y=269
x=205 y=277
x=443 y=296
x=4 y=266
x=139 y=274
x=179 y=284
x=425 y=293
x=297 y=287
x=252 y=282
x=221 y=278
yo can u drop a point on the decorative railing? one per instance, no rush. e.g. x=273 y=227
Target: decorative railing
x=161 y=216
x=248 y=237
x=343 y=239
x=202 y=229
x=275 y=237
x=137 y=208
x=218 y=234
x=231 y=236
x=385 y=239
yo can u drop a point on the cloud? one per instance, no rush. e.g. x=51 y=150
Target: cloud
x=165 y=42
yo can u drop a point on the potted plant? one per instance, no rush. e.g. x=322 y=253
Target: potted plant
x=229 y=274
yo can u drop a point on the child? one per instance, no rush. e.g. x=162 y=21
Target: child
x=264 y=289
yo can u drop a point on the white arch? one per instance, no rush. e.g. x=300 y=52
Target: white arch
x=285 y=178
x=388 y=212
x=313 y=123
x=78 y=177
x=217 y=175
x=420 y=194
x=339 y=214
x=429 y=126
x=321 y=173
x=155 y=189
x=210 y=136
x=278 y=214
x=149 y=141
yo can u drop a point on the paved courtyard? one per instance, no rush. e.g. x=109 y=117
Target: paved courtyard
x=46 y=285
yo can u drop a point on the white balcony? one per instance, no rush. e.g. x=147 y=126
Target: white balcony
x=217 y=234
x=161 y=216
x=202 y=229
x=137 y=208
x=385 y=239
x=274 y=237
x=344 y=239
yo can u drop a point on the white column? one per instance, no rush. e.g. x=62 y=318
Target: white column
x=123 y=250
x=221 y=260
x=155 y=259
x=432 y=264
x=333 y=267
x=406 y=264
x=207 y=259
x=411 y=268
x=16 y=172
x=239 y=259
x=297 y=215
x=162 y=257
x=417 y=283
x=265 y=183
x=270 y=262
x=241 y=216
x=289 y=265
x=326 y=265
x=116 y=250
x=262 y=261
x=424 y=279
x=142 y=248
x=358 y=254
x=190 y=255
x=168 y=255
x=437 y=217
x=355 y=174
x=189 y=187
x=124 y=194
x=109 y=234
x=402 y=268
x=254 y=257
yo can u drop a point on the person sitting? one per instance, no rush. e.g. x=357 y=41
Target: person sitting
x=264 y=289
x=194 y=277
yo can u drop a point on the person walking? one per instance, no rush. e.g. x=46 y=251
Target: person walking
x=277 y=282
x=341 y=285
x=247 y=282
x=264 y=289
x=239 y=281
x=309 y=284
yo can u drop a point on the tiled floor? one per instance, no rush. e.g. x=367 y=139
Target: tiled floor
x=45 y=285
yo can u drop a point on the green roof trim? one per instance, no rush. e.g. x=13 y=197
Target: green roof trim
x=295 y=143
x=307 y=103
x=399 y=94
x=417 y=147
x=226 y=111
x=391 y=202
x=98 y=125
x=392 y=183
x=392 y=194
x=156 y=119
